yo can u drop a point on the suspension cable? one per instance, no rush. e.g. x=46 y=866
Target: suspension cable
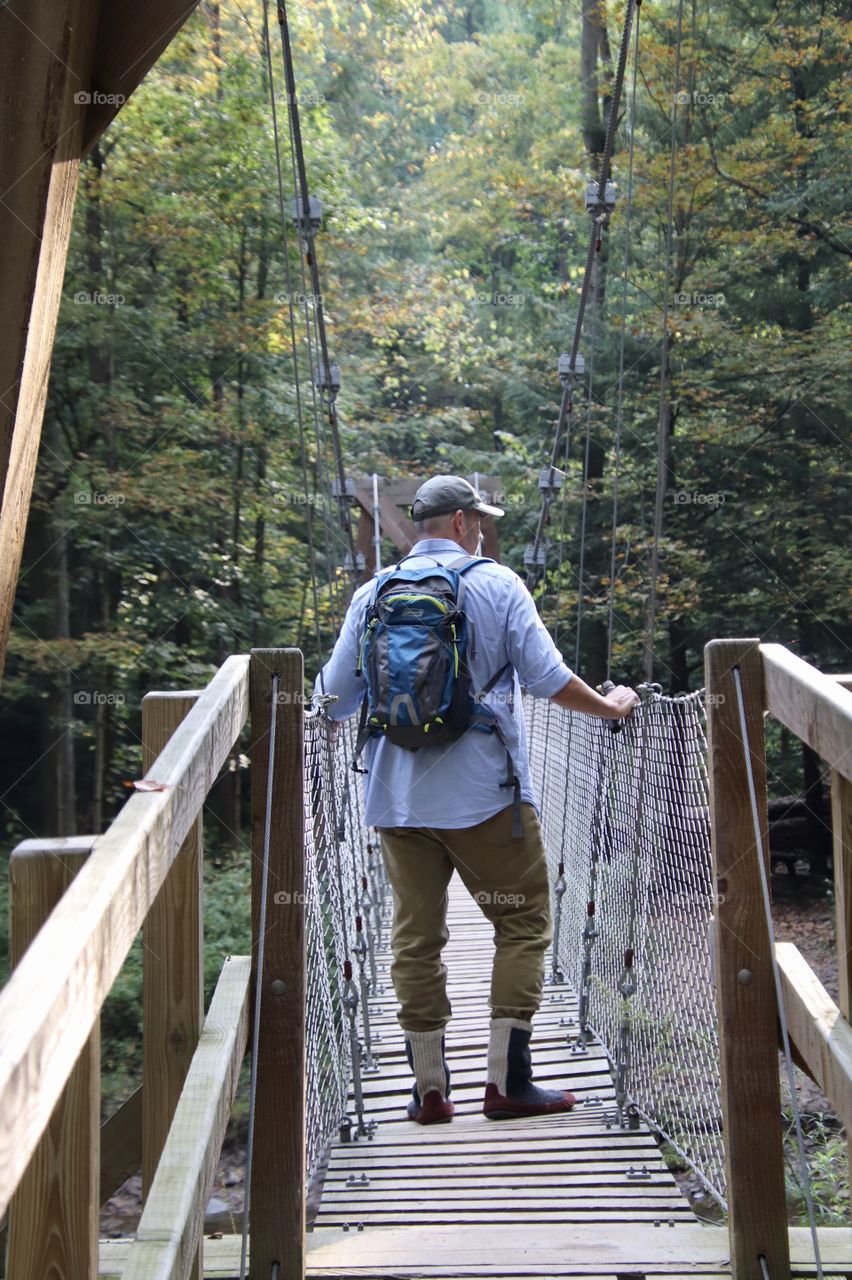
x=665 y=356
x=619 y=400
x=312 y=559
x=568 y=389
x=581 y=566
x=326 y=368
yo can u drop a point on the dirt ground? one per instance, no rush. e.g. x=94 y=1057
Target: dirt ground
x=803 y=912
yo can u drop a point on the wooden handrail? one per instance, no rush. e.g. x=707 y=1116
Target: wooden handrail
x=53 y=998
x=815 y=707
x=169 y=1233
x=820 y=1032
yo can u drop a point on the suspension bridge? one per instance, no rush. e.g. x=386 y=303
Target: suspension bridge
x=651 y=834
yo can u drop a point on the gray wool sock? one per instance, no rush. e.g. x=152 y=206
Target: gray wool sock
x=428 y=1058
x=498 y=1050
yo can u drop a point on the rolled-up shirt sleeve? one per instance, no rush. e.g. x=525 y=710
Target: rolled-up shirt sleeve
x=338 y=676
x=530 y=648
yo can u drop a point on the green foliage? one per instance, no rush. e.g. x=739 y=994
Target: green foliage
x=227 y=931
x=828 y=1169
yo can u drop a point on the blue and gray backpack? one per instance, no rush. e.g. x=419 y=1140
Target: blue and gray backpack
x=414 y=658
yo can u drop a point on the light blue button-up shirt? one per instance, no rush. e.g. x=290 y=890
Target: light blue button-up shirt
x=458 y=784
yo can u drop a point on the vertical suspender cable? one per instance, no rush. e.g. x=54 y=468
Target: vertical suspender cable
x=619 y=408
x=606 y=159
x=267 y=49
x=581 y=567
x=377 y=525
x=663 y=423
x=315 y=278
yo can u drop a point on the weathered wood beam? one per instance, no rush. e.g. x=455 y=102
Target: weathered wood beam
x=50 y=1003
x=169 y=1232
x=46 y=54
x=172 y=958
x=66 y=68
x=745 y=987
x=130 y=39
x=814 y=706
x=53 y=1217
x=820 y=1031
x=121 y=1145
x=277 y=1209
x=506 y=1250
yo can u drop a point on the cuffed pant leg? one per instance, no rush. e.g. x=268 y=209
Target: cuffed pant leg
x=419 y=869
x=508 y=878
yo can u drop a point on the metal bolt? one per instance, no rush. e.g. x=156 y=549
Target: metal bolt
x=744 y=976
x=278 y=986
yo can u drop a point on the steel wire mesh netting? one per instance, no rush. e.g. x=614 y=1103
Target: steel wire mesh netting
x=627 y=816
x=336 y=872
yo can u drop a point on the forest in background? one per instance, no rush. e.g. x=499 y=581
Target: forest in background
x=451 y=145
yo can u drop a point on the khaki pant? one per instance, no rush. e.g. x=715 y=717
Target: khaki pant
x=507 y=878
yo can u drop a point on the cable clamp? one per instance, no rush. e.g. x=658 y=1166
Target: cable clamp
x=593 y=197
x=327 y=379
x=568 y=373
x=535 y=559
x=550 y=482
x=308 y=222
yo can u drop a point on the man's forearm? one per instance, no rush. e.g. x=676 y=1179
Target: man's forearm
x=576 y=695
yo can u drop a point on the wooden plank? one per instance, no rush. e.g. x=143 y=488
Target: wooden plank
x=427 y=1216
x=507 y=1249
x=699 y=1251
x=277 y=1212
x=43 y=63
x=53 y=1217
x=822 y=1035
x=172 y=958
x=73 y=962
x=396 y=525
x=814 y=706
x=751 y=1099
x=223 y=1256
x=841 y=857
x=597 y=1179
x=121 y=1145
x=130 y=39
x=169 y=1232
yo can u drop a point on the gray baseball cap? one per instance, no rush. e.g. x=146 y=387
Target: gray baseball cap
x=442 y=495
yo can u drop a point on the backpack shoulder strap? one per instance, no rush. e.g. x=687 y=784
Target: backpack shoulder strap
x=461 y=566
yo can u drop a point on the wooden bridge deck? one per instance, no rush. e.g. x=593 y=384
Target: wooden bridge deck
x=558 y=1197
x=479 y=1197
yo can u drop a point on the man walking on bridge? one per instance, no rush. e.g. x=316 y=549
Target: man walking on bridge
x=435 y=652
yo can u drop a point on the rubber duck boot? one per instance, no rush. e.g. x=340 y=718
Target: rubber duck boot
x=509 y=1091
x=430 y=1095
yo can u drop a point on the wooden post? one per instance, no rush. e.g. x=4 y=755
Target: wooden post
x=53 y=1215
x=277 y=1210
x=841 y=827
x=172 y=960
x=745 y=990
